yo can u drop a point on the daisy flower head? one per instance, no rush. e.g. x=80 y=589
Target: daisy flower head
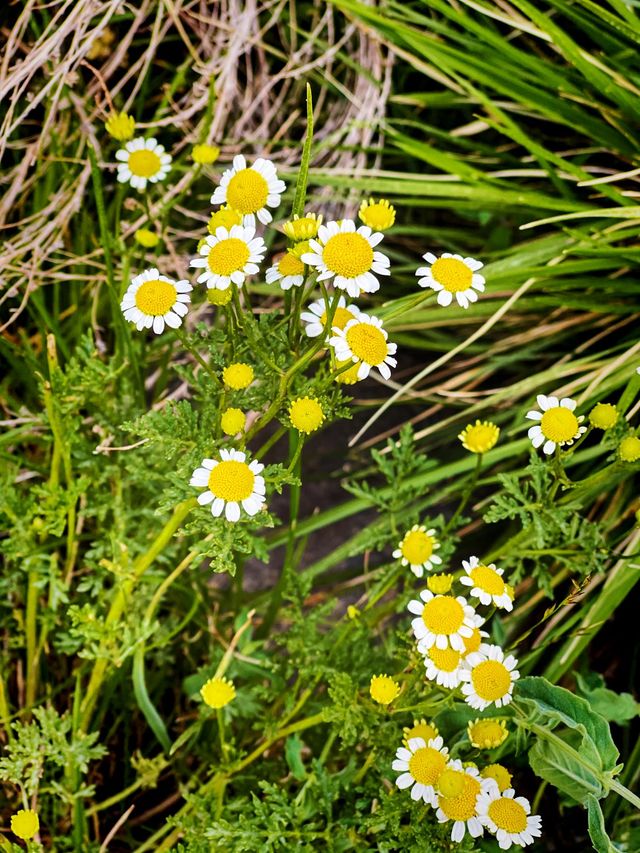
x=25 y=823
x=229 y=256
x=442 y=621
x=232 y=421
x=219 y=297
x=364 y=340
x=146 y=238
x=153 y=301
x=508 y=817
x=486 y=583
x=347 y=375
x=487 y=733
x=420 y=764
x=558 y=426
x=379 y=215
x=224 y=217
x=346 y=254
x=629 y=449
x=230 y=482
x=457 y=794
x=479 y=437
x=218 y=692
x=452 y=275
x=315 y=317
x=306 y=414
x=238 y=375
x=473 y=643
x=440 y=584
x=499 y=774
x=302 y=227
x=488 y=677
x=420 y=728
x=120 y=126
x=416 y=550
x=383 y=689
x=204 y=154
x=288 y=270
x=603 y=416
x=443 y=666
x=142 y=161
x=250 y=190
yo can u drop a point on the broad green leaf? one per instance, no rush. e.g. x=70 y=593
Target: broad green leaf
x=597 y=831
x=617 y=707
x=563 y=769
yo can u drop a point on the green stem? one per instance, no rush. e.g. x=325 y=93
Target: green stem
x=466 y=494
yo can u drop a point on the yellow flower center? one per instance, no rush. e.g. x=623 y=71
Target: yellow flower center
x=348 y=254
x=219 y=297
x=232 y=421
x=383 y=689
x=25 y=824
x=155 y=297
x=424 y=730
x=499 y=774
x=487 y=734
x=629 y=449
x=491 y=680
x=480 y=437
x=508 y=815
x=417 y=547
x=454 y=275
x=306 y=414
x=218 y=692
x=440 y=584
x=340 y=318
x=247 y=191
x=446 y=660
x=224 y=217
x=232 y=480
x=426 y=765
x=603 y=416
x=443 y=615
x=559 y=424
x=228 y=256
x=472 y=643
x=144 y=164
x=378 y=215
x=303 y=228
x=238 y=375
x=290 y=265
x=367 y=343
x=488 y=580
x=459 y=793
x=350 y=376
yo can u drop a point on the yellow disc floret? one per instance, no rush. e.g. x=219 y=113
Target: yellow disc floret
x=232 y=421
x=379 y=215
x=383 y=689
x=603 y=416
x=443 y=615
x=417 y=547
x=472 y=643
x=367 y=343
x=302 y=227
x=228 y=256
x=487 y=579
x=458 y=794
x=348 y=254
x=204 y=154
x=290 y=264
x=25 y=824
x=559 y=424
x=454 y=275
x=491 y=680
x=120 y=126
x=219 y=297
x=225 y=218
x=499 y=774
x=508 y=815
x=146 y=238
x=487 y=734
x=479 y=437
x=350 y=375
x=446 y=660
x=155 y=297
x=232 y=480
x=629 y=449
x=218 y=692
x=247 y=191
x=144 y=163
x=306 y=414
x=426 y=765
x=420 y=728
x=238 y=375
x=440 y=584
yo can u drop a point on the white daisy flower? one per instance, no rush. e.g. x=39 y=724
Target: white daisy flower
x=508 y=817
x=558 y=425
x=229 y=256
x=347 y=255
x=452 y=275
x=153 y=301
x=364 y=340
x=420 y=767
x=487 y=583
x=315 y=317
x=458 y=792
x=473 y=643
x=250 y=190
x=230 y=481
x=288 y=270
x=416 y=550
x=142 y=160
x=488 y=677
x=443 y=621
x=443 y=666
